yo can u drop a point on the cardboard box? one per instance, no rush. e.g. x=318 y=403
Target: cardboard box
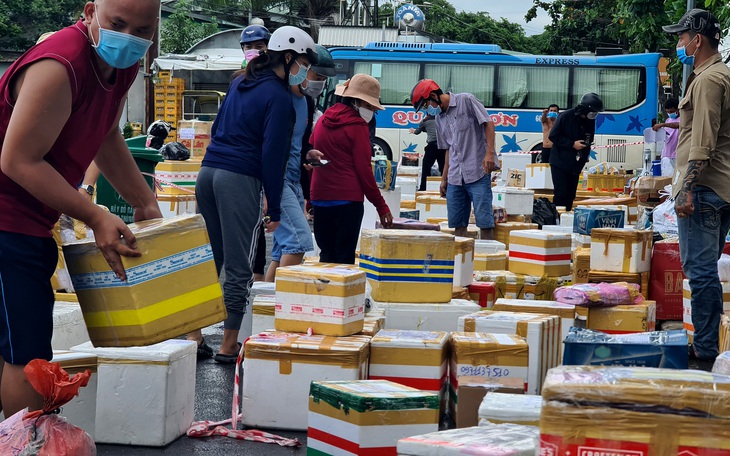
x=263 y=313
x=482 y=362
x=463 y=261
x=408 y=266
x=65 y=297
x=491 y=261
x=81 y=410
x=195 y=135
x=503 y=230
x=539 y=176
x=281 y=366
x=372 y=325
x=425 y=316
x=366 y=417
x=472 y=231
x=605 y=183
x=329 y=298
x=516 y=178
x=520 y=286
x=483 y=293
x=639 y=278
x=182 y=174
x=687 y=304
x=171 y=290
x=623 y=319
x=665 y=282
x=431 y=206
x=500 y=408
x=647 y=188
x=665 y=349
x=539 y=253
x=581 y=265
x=621 y=250
x=160 y=376
x=517 y=201
x=69 y=328
x=410 y=214
x=412 y=358
x=174 y=205
x=541 y=332
x=505 y=440
x=585 y=219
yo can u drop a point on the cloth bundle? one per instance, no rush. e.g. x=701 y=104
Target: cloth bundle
x=599 y=294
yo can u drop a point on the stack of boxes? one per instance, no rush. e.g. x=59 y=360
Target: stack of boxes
x=195 y=135
x=168 y=101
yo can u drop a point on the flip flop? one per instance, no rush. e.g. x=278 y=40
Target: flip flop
x=204 y=351
x=227 y=359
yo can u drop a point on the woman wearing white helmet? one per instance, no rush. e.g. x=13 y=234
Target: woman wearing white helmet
x=247 y=154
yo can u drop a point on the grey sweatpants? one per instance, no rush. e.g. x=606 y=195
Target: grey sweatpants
x=231 y=205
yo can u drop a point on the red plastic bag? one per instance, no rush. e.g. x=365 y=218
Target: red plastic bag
x=43 y=432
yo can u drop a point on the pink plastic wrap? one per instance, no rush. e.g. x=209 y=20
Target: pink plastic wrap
x=42 y=432
x=599 y=294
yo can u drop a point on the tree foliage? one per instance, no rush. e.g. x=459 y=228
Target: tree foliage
x=180 y=31
x=23 y=21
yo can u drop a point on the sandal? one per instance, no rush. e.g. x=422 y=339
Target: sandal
x=227 y=359
x=204 y=351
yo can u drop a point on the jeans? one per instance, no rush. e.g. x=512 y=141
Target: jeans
x=293 y=236
x=701 y=241
x=459 y=199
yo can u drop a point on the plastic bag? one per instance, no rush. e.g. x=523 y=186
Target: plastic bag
x=664 y=217
x=599 y=294
x=544 y=213
x=175 y=151
x=723 y=267
x=43 y=432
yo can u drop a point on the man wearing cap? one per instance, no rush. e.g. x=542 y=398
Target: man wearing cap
x=700 y=183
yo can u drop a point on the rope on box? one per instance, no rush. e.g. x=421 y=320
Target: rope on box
x=212 y=428
x=159 y=182
x=609 y=146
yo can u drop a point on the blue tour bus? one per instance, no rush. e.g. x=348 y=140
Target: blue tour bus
x=514 y=88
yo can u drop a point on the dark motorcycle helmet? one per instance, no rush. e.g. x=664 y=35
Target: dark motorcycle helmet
x=591 y=102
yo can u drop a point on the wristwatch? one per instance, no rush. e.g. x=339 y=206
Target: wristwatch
x=89 y=189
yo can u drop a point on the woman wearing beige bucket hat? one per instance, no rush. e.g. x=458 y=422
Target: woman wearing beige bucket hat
x=341 y=139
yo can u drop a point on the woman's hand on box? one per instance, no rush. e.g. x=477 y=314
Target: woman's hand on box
x=114 y=239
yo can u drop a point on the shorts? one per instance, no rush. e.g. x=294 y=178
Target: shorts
x=459 y=200
x=27 y=264
x=293 y=236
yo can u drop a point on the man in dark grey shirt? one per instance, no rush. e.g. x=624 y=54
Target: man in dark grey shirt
x=465 y=130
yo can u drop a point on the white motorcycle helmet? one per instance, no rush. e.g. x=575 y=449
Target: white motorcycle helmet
x=288 y=38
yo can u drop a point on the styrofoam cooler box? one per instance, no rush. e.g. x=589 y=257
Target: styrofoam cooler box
x=144 y=394
x=69 y=328
x=514 y=201
x=281 y=366
x=499 y=408
x=566 y=219
x=488 y=246
x=370 y=214
x=372 y=325
x=329 y=298
x=257 y=289
x=558 y=229
x=412 y=358
x=464 y=262
x=483 y=293
x=472 y=231
x=262 y=314
x=538 y=176
x=426 y=316
x=410 y=171
x=366 y=417
x=491 y=261
x=408 y=184
x=479 y=358
x=430 y=207
x=539 y=253
x=540 y=331
x=81 y=410
x=174 y=205
x=581 y=241
x=514 y=160
x=687 y=304
x=497 y=440
x=433 y=183
x=621 y=250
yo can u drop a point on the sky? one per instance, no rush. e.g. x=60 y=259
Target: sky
x=512 y=10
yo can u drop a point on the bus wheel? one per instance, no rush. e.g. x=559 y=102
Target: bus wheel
x=536 y=158
x=380 y=147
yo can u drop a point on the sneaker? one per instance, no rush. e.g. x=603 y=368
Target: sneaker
x=204 y=351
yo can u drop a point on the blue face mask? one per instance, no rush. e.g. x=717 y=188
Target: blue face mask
x=552 y=115
x=296 y=79
x=673 y=115
x=433 y=110
x=683 y=57
x=119 y=50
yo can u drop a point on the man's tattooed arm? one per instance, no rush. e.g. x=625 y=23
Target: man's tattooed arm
x=683 y=202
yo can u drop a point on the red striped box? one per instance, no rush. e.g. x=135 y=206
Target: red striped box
x=539 y=253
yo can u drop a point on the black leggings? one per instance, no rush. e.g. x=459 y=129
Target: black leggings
x=565 y=186
x=259 y=263
x=433 y=154
x=337 y=230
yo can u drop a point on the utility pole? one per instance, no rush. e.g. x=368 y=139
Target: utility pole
x=687 y=69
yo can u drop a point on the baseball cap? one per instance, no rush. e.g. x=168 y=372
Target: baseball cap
x=698 y=21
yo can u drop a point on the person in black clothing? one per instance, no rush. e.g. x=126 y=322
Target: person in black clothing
x=572 y=137
x=432 y=154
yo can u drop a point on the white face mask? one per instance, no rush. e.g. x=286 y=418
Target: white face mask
x=366 y=114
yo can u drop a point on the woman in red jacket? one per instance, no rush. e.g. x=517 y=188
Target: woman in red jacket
x=341 y=139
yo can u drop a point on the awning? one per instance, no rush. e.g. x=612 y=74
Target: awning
x=205 y=59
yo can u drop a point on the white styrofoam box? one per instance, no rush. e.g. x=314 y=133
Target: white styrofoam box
x=498 y=408
x=540 y=330
x=433 y=183
x=566 y=219
x=472 y=230
x=431 y=207
x=69 y=328
x=370 y=214
x=621 y=250
x=464 y=262
x=581 y=241
x=408 y=184
x=426 y=317
x=488 y=360
x=258 y=288
x=81 y=410
x=145 y=394
x=557 y=229
x=484 y=246
x=513 y=160
x=687 y=304
x=262 y=313
x=538 y=176
x=514 y=201
x=539 y=253
x=497 y=440
x=408 y=197
x=722 y=364
x=174 y=205
x=408 y=171
x=315 y=251
x=281 y=366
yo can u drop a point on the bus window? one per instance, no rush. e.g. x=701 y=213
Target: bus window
x=532 y=87
x=396 y=79
x=617 y=87
x=477 y=80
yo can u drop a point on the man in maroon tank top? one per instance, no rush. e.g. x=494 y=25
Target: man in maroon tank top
x=60 y=105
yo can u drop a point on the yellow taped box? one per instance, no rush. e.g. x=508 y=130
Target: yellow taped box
x=519 y=286
x=195 y=135
x=581 y=264
x=182 y=174
x=502 y=230
x=639 y=278
x=539 y=253
x=491 y=261
x=171 y=290
x=329 y=298
x=372 y=324
x=621 y=250
x=408 y=266
x=623 y=319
